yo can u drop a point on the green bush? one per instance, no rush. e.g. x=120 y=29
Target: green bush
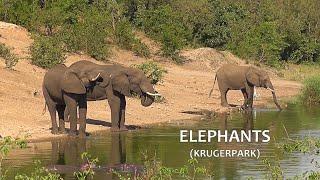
x=311 y=91
x=152 y=70
x=88 y=34
x=46 y=52
x=140 y=49
x=10 y=59
x=166 y=26
x=126 y=39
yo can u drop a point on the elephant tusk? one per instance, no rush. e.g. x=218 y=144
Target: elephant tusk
x=270 y=89
x=152 y=94
x=93 y=79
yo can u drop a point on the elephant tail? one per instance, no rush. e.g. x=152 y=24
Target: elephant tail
x=215 y=78
x=44 y=109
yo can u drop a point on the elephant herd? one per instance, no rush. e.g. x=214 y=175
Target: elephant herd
x=67 y=89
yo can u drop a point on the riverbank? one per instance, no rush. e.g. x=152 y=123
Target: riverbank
x=185 y=89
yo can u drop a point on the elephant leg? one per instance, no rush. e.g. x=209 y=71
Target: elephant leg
x=61 y=109
x=72 y=108
x=224 y=101
x=66 y=115
x=82 y=115
x=245 y=97
x=249 y=90
x=52 y=111
x=114 y=103
x=122 y=113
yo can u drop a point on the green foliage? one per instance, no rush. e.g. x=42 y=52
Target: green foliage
x=274 y=170
x=263 y=43
x=17 y=12
x=46 y=52
x=39 y=173
x=311 y=91
x=6 y=145
x=164 y=25
x=87 y=33
x=265 y=31
x=305 y=145
x=152 y=70
x=10 y=59
x=87 y=171
x=127 y=40
x=153 y=169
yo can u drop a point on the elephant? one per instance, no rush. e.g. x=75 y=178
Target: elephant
x=244 y=78
x=64 y=89
x=124 y=82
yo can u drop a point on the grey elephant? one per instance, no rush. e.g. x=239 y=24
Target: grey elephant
x=64 y=90
x=124 y=82
x=244 y=78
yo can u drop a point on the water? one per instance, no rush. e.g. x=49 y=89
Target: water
x=127 y=148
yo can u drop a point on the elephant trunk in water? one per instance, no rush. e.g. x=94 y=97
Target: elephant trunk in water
x=274 y=96
x=275 y=100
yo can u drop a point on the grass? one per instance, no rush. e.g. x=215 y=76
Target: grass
x=304 y=145
x=299 y=72
x=311 y=91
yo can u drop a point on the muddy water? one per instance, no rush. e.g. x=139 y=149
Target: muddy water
x=126 y=148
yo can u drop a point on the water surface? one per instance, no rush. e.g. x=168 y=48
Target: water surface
x=163 y=140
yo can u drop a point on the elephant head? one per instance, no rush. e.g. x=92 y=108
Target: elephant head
x=141 y=85
x=76 y=82
x=260 y=78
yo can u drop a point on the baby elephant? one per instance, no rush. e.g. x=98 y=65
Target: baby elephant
x=244 y=78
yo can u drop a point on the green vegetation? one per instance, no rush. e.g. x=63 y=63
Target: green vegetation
x=10 y=59
x=46 y=52
x=87 y=171
x=6 y=145
x=269 y=32
x=305 y=145
x=39 y=173
x=152 y=70
x=273 y=170
x=153 y=169
x=311 y=91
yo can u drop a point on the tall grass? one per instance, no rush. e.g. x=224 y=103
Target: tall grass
x=311 y=91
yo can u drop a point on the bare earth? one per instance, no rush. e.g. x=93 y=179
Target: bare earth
x=185 y=88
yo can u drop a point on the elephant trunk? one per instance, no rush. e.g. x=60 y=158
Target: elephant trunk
x=276 y=101
x=270 y=88
x=148 y=93
x=146 y=100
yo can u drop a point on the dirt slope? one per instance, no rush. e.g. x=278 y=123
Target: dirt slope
x=185 y=88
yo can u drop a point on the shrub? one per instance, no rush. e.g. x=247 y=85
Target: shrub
x=46 y=52
x=152 y=70
x=126 y=39
x=140 y=49
x=88 y=34
x=311 y=91
x=10 y=59
x=165 y=25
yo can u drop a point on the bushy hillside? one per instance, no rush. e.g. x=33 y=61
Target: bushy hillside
x=269 y=31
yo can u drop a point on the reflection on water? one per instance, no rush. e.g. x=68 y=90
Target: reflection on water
x=118 y=149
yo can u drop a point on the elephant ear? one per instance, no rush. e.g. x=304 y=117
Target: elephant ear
x=105 y=81
x=253 y=77
x=72 y=84
x=120 y=83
